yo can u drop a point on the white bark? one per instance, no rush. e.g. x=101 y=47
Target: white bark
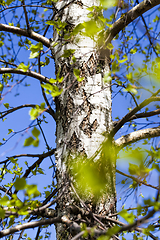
x=84 y=107
x=89 y=94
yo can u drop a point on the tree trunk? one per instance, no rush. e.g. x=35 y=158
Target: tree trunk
x=83 y=108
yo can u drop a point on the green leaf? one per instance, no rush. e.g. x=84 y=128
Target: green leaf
x=56 y=92
x=77 y=73
x=129 y=217
x=35 y=132
x=133 y=169
x=23 y=67
x=47 y=86
x=35 y=143
x=2 y=213
x=131 y=88
x=4 y=201
x=32 y=190
x=1 y=43
x=10 y=131
x=108 y=3
x=50 y=22
x=123 y=60
x=107 y=77
x=77 y=29
x=52 y=80
x=133 y=51
x=1 y=87
x=67 y=53
x=91 y=28
x=110 y=46
x=34 y=113
x=156 y=19
x=6 y=105
x=28 y=142
x=35 y=50
x=8 y=2
x=42 y=106
x=20 y=184
x=129 y=76
x=52 y=89
x=34 y=54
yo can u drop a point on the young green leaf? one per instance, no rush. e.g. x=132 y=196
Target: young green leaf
x=35 y=132
x=20 y=183
x=35 y=50
x=6 y=105
x=23 y=67
x=28 y=141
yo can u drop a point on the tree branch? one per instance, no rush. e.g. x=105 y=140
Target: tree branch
x=18 y=228
x=137 y=180
x=4 y=113
x=26 y=17
x=43 y=155
x=137 y=136
x=142 y=115
x=23 y=32
x=27 y=73
x=129 y=17
x=128 y=116
x=141 y=221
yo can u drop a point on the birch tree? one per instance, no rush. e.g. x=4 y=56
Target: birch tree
x=101 y=52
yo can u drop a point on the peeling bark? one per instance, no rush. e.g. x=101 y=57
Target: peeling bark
x=83 y=108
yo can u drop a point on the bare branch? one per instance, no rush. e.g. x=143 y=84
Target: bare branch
x=8 y=63
x=129 y=17
x=143 y=115
x=3 y=114
x=148 y=33
x=43 y=155
x=5 y=190
x=18 y=228
x=128 y=116
x=23 y=32
x=137 y=180
x=137 y=136
x=27 y=73
x=26 y=17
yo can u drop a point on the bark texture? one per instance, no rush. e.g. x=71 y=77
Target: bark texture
x=83 y=108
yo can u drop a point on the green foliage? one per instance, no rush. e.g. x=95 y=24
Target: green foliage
x=35 y=50
x=108 y=3
x=37 y=111
x=129 y=217
x=20 y=184
x=94 y=178
x=52 y=89
x=111 y=231
x=2 y=213
x=77 y=73
x=23 y=67
x=59 y=25
x=1 y=87
x=33 y=140
x=91 y=29
x=10 y=130
x=68 y=53
x=6 y=105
